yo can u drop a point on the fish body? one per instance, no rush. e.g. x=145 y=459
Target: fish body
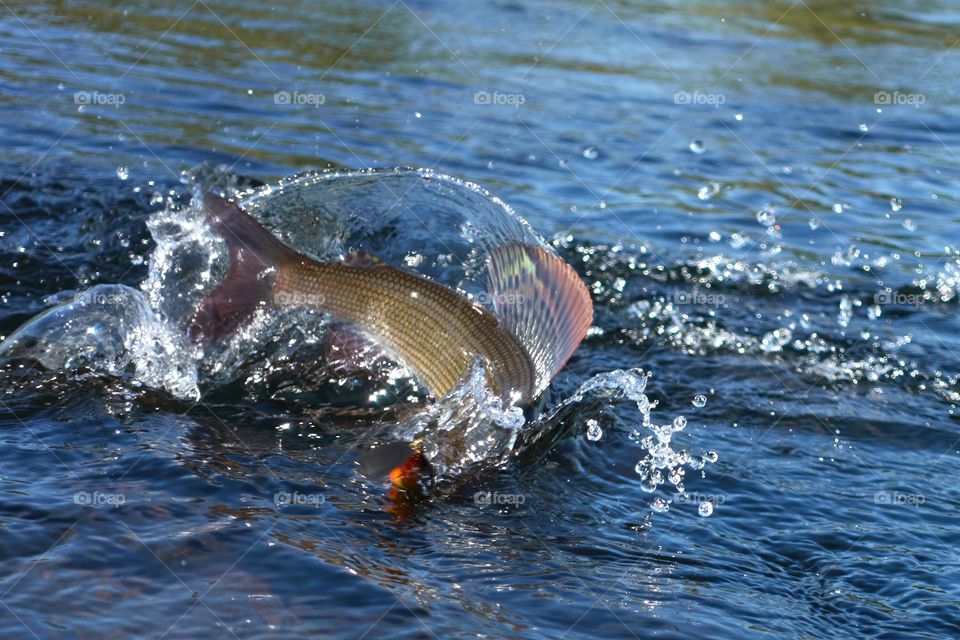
x=432 y=329
x=541 y=313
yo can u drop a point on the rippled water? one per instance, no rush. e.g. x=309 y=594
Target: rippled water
x=759 y=195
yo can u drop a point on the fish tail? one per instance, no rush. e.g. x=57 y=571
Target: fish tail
x=256 y=257
x=542 y=301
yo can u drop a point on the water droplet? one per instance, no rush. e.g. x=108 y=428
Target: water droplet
x=660 y=505
x=594 y=432
x=738 y=240
x=739 y=117
x=708 y=190
x=767 y=215
x=603 y=205
x=706 y=509
x=863 y=127
x=715 y=236
x=711 y=456
x=909 y=225
x=697 y=147
x=814 y=223
x=679 y=423
x=417 y=115
x=700 y=401
x=838 y=208
x=591 y=153
x=896 y=204
x=122 y=172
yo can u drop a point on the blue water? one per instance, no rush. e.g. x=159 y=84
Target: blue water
x=759 y=194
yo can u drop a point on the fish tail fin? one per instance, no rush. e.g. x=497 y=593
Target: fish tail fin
x=255 y=257
x=542 y=302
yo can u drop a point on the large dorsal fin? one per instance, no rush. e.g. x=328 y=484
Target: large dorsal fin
x=541 y=300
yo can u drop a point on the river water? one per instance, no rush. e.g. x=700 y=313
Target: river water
x=760 y=196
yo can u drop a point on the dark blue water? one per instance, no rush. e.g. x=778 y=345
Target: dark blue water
x=761 y=196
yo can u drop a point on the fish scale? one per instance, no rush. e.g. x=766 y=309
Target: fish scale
x=542 y=309
x=433 y=329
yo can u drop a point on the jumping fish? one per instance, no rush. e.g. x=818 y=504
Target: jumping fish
x=541 y=312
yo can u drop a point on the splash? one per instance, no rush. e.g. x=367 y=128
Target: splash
x=661 y=464
x=140 y=335
x=108 y=329
x=469 y=427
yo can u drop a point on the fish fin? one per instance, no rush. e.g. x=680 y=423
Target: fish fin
x=349 y=350
x=255 y=256
x=542 y=301
x=377 y=462
x=400 y=462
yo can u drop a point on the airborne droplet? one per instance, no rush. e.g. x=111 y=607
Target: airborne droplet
x=594 y=432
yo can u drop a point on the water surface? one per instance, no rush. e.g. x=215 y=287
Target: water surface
x=759 y=194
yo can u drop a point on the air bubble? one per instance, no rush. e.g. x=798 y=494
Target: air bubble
x=705 y=509
x=591 y=153
x=122 y=172
x=700 y=401
x=697 y=147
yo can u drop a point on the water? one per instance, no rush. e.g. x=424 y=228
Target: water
x=799 y=322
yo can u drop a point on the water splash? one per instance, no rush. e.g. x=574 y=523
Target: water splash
x=661 y=464
x=108 y=329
